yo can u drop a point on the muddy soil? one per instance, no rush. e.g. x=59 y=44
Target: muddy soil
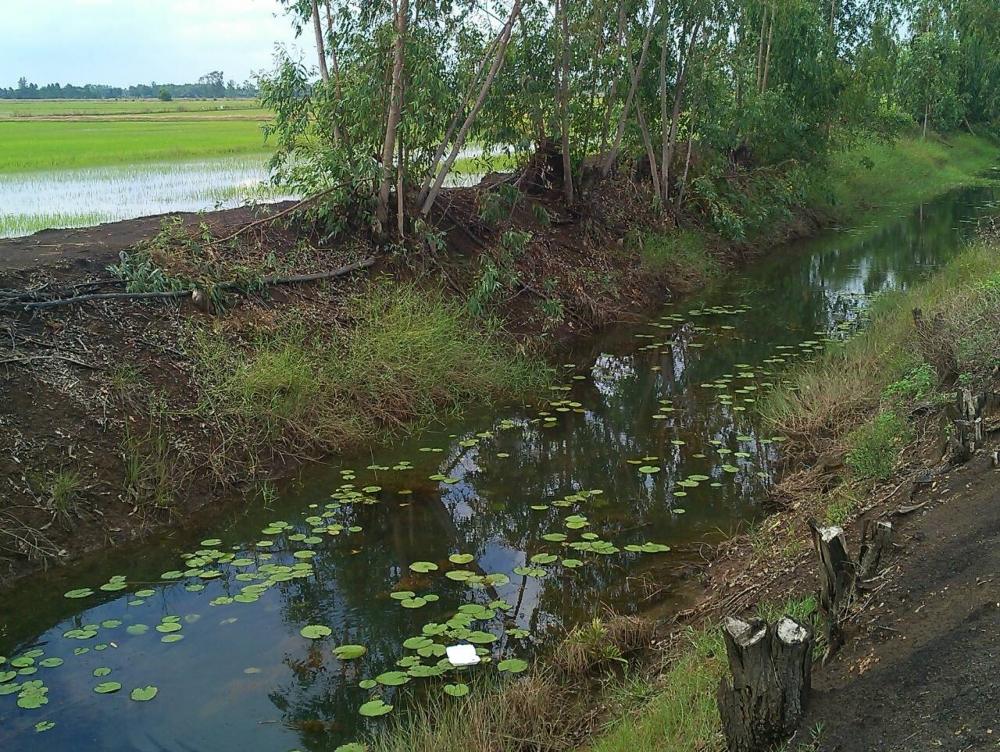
x=922 y=671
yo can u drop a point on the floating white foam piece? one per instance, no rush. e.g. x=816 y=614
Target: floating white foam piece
x=462 y=655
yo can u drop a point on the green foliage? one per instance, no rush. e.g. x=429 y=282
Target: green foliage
x=875 y=446
x=916 y=384
x=409 y=358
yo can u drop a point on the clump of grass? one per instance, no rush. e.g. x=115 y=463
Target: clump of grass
x=64 y=492
x=409 y=357
x=683 y=714
x=601 y=642
x=681 y=255
x=874 y=447
x=149 y=463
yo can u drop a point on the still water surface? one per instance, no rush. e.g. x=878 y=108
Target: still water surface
x=657 y=417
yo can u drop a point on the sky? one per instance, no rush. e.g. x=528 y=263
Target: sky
x=121 y=42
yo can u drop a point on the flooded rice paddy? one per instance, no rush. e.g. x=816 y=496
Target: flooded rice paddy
x=298 y=621
x=33 y=201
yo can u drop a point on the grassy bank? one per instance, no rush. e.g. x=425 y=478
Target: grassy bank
x=862 y=182
x=396 y=357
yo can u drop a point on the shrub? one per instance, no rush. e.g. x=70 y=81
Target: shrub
x=876 y=444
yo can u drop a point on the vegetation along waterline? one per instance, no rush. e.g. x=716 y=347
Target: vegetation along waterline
x=347 y=466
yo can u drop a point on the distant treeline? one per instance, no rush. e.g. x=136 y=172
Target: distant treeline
x=211 y=85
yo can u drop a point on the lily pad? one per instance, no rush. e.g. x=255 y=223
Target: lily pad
x=78 y=593
x=106 y=688
x=512 y=665
x=144 y=694
x=456 y=690
x=423 y=566
x=349 y=652
x=393 y=678
x=315 y=631
x=375 y=708
x=461 y=558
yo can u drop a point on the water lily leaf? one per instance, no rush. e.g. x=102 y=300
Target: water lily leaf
x=456 y=690
x=168 y=627
x=352 y=747
x=101 y=671
x=415 y=643
x=349 y=652
x=50 y=662
x=374 y=708
x=393 y=678
x=481 y=638
x=424 y=566
x=417 y=602
x=144 y=694
x=649 y=469
x=106 y=688
x=543 y=558
x=78 y=593
x=461 y=558
x=367 y=684
x=572 y=563
x=44 y=726
x=137 y=629
x=171 y=638
x=315 y=631
x=554 y=537
x=402 y=595
x=512 y=665
x=460 y=575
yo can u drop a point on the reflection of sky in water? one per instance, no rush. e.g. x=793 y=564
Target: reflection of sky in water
x=206 y=700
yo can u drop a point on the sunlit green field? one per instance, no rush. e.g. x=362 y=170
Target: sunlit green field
x=70 y=163
x=131 y=108
x=28 y=145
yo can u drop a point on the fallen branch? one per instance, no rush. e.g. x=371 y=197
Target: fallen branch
x=26 y=358
x=266 y=281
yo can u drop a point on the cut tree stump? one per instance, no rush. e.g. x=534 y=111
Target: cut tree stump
x=876 y=540
x=968 y=435
x=837 y=575
x=842 y=579
x=771 y=668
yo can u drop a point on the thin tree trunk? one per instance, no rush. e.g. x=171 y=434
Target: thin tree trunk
x=664 y=128
x=567 y=161
x=425 y=186
x=767 y=55
x=504 y=39
x=400 y=167
x=612 y=155
x=683 y=66
x=687 y=165
x=613 y=89
x=650 y=153
x=927 y=110
x=760 y=49
x=320 y=47
x=395 y=112
x=337 y=135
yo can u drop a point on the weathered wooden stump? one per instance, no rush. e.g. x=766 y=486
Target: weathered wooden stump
x=968 y=435
x=837 y=575
x=771 y=671
x=842 y=578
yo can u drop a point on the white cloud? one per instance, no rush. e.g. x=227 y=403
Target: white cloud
x=122 y=42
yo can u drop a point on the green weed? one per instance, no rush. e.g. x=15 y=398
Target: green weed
x=875 y=446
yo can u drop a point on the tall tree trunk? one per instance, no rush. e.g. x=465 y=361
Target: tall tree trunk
x=650 y=153
x=567 y=161
x=760 y=49
x=337 y=135
x=662 y=177
x=402 y=9
x=425 y=186
x=612 y=156
x=687 y=165
x=684 y=65
x=501 y=51
x=320 y=47
x=613 y=89
x=767 y=54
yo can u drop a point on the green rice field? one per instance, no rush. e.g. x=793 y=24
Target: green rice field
x=73 y=163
